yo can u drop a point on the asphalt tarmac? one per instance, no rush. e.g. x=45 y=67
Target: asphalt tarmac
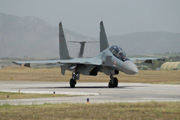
x=96 y=92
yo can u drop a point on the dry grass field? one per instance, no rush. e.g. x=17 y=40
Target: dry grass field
x=9 y=95
x=54 y=75
x=108 y=111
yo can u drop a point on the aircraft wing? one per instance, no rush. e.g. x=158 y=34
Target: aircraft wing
x=147 y=59
x=35 y=62
x=87 y=61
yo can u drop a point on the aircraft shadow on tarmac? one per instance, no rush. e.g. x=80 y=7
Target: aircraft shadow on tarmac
x=85 y=87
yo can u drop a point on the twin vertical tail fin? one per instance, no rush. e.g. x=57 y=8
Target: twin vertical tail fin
x=103 y=38
x=63 y=51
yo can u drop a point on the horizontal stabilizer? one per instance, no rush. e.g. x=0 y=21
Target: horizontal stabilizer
x=81 y=51
x=83 y=41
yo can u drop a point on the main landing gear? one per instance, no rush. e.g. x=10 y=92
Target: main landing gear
x=72 y=82
x=113 y=82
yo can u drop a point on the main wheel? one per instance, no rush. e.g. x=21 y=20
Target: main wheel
x=110 y=85
x=72 y=83
x=115 y=82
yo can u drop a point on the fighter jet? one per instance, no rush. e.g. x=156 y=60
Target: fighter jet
x=110 y=60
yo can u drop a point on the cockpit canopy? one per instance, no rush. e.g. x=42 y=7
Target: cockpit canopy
x=118 y=52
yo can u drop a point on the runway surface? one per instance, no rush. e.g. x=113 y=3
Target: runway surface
x=96 y=92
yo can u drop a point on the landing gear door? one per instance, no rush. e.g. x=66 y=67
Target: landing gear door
x=63 y=69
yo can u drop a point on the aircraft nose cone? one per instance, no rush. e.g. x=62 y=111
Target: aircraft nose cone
x=129 y=67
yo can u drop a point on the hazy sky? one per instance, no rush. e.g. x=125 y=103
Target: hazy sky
x=119 y=16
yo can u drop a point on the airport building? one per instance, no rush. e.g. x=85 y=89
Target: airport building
x=170 y=66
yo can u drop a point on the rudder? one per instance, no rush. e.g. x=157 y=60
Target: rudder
x=63 y=51
x=103 y=38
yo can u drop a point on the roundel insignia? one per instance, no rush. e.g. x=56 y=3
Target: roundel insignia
x=114 y=62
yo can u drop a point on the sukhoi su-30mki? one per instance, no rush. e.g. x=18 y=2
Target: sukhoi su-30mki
x=110 y=60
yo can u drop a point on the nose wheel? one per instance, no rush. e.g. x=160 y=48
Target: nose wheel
x=113 y=82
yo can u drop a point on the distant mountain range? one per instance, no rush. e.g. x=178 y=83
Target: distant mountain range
x=32 y=37
x=143 y=43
